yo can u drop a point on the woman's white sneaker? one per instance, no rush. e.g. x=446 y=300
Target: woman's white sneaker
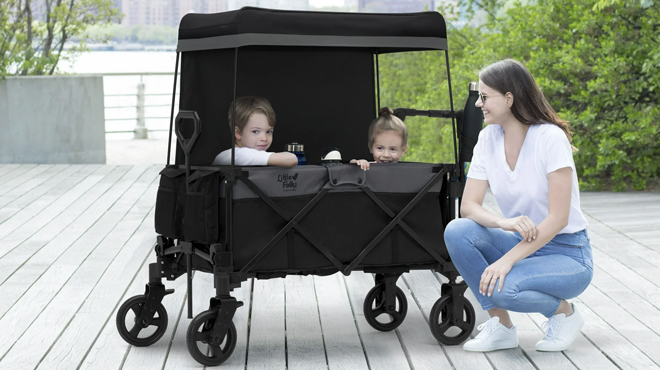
x=493 y=336
x=560 y=332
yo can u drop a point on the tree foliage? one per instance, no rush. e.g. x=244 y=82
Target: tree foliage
x=34 y=33
x=596 y=62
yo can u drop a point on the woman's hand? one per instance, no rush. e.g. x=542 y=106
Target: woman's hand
x=498 y=270
x=522 y=224
x=363 y=163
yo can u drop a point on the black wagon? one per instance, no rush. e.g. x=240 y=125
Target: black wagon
x=320 y=72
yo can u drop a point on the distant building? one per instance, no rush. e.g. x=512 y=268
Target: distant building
x=170 y=12
x=164 y=12
x=395 y=6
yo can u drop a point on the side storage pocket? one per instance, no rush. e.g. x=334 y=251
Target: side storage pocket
x=201 y=223
x=170 y=202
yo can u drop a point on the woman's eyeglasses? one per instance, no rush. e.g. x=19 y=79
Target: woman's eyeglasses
x=484 y=97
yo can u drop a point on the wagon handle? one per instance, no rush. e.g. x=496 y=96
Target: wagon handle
x=187 y=143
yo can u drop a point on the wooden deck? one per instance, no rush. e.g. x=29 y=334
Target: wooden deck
x=76 y=240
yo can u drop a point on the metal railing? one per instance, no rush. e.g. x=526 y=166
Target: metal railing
x=132 y=93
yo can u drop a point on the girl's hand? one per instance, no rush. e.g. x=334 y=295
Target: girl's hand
x=522 y=224
x=498 y=270
x=363 y=163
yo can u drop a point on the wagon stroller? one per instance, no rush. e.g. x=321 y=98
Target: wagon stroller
x=320 y=72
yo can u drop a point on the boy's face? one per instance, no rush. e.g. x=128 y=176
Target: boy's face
x=387 y=147
x=257 y=133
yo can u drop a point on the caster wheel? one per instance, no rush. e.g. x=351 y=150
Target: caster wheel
x=140 y=334
x=374 y=307
x=440 y=321
x=200 y=343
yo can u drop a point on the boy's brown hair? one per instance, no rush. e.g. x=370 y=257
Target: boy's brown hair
x=387 y=121
x=247 y=106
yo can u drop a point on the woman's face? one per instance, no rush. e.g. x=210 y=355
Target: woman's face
x=495 y=105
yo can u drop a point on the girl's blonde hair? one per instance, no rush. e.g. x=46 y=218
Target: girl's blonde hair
x=387 y=121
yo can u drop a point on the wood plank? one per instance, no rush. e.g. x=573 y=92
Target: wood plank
x=626 y=325
x=425 y=289
x=31 y=198
x=266 y=347
x=342 y=342
x=18 y=183
x=178 y=356
x=304 y=340
x=6 y=169
x=109 y=350
x=100 y=305
x=421 y=348
x=45 y=282
x=51 y=220
x=48 y=326
x=383 y=349
x=620 y=351
x=20 y=171
x=77 y=233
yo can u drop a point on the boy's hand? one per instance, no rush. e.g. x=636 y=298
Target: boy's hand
x=363 y=163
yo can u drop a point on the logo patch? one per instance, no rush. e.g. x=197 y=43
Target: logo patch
x=288 y=181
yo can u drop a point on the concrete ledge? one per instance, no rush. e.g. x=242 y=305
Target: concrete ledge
x=52 y=119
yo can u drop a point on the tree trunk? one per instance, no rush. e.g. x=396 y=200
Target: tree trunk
x=28 y=43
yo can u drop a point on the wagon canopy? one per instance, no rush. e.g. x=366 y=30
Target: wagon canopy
x=251 y=26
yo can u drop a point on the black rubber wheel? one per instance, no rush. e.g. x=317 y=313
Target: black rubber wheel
x=374 y=307
x=200 y=344
x=140 y=334
x=440 y=321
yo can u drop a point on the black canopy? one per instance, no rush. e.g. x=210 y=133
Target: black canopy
x=257 y=26
x=318 y=70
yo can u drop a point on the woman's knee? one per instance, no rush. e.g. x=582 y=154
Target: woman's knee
x=458 y=231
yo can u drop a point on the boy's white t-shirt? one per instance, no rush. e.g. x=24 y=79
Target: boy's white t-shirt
x=524 y=191
x=243 y=157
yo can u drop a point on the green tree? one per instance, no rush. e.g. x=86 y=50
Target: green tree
x=596 y=62
x=30 y=45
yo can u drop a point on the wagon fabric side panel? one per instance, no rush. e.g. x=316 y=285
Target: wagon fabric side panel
x=344 y=221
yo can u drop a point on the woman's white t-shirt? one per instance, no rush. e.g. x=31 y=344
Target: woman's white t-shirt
x=524 y=191
x=243 y=157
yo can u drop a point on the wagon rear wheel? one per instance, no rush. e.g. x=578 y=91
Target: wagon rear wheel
x=378 y=315
x=143 y=333
x=442 y=327
x=203 y=347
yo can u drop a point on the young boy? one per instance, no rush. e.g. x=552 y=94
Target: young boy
x=388 y=139
x=255 y=122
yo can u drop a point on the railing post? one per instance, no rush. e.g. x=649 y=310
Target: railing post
x=140 y=129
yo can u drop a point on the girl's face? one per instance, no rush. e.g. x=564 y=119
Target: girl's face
x=388 y=147
x=495 y=105
x=257 y=133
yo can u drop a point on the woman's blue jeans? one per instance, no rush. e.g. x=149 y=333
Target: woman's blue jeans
x=562 y=269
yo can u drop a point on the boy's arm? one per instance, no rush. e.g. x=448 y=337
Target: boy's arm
x=283 y=159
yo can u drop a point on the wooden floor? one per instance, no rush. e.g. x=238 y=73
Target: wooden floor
x=76 y=240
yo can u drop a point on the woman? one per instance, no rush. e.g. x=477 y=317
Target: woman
x=538 y=255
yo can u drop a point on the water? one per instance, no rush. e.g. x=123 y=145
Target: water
x=121 y=91
x=121 y=62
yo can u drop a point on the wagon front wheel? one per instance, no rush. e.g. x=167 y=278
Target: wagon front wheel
x=202 y=346
x=378 y=315
x=140 y=333
x=442 y=327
